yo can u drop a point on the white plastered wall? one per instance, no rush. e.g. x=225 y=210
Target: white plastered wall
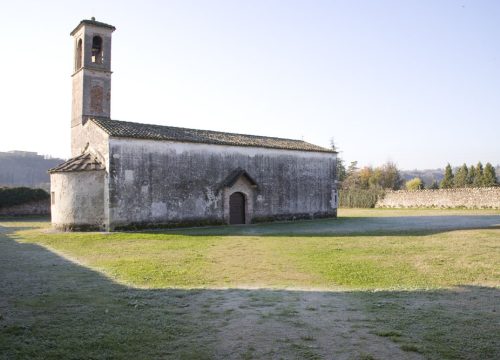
x=77 y=200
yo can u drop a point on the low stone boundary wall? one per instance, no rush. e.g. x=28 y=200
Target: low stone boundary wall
x=41 y=207
x=471 y=198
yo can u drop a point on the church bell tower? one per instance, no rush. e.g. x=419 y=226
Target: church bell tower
x=91 y=76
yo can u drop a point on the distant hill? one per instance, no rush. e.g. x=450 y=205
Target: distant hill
x=428 y=176
x=25 y=168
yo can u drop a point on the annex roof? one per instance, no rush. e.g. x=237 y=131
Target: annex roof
x=124 y=129
x=84 y=162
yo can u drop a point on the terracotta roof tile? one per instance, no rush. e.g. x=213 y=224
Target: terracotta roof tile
x=158 y=132
x=84 y=162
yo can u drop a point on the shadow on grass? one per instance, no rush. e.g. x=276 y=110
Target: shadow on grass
x=358 y=226
x=53 y=308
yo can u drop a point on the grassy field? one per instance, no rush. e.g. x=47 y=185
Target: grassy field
x=371 y=284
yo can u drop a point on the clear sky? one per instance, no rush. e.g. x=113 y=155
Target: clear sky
x=414 y=81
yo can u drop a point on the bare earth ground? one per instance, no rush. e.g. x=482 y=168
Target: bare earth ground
x=298 y=324
x=51 y=307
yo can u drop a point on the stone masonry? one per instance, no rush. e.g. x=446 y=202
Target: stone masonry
x=470 y=198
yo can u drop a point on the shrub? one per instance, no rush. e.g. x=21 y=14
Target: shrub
x=20 y=195
x=359 y=198
x=414 y=184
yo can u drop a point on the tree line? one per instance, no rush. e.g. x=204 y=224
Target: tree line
x=472 y=176
x=385 y=177
x=361 y=187
x=388 y=177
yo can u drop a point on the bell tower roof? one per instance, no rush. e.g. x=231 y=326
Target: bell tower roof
x=92 y=22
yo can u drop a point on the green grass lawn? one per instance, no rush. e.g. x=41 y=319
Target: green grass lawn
x=297 y=257
x=425 y=281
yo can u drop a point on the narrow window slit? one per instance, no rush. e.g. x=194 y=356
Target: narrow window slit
x=79 y=50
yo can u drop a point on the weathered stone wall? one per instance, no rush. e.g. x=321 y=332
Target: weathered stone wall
x=92 y=136
x=162 y=182
x=443 y=198
x=41 y=207
x=78 y=200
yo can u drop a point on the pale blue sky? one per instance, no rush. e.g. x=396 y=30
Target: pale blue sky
x=415 y=82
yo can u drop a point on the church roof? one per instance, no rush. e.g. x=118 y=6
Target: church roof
x=126 y=129
x=84 y=162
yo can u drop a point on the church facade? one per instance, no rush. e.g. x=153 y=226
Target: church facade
x=127 y=175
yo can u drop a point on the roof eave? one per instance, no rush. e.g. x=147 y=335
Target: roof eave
x=55 y=171
x=326 y=151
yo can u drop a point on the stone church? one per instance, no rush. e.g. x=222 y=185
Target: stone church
x=127 y=175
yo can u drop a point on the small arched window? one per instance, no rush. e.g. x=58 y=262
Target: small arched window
x=78 y=55
x=97 y=50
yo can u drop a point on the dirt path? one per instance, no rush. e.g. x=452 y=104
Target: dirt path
x=266 y=324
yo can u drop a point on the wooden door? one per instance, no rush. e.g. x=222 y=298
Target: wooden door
x=237 y=208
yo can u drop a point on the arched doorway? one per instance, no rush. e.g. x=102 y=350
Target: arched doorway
x=237 y=208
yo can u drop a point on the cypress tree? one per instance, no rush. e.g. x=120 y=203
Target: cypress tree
x=478 y=179
x=447 y=181
x=461 y=175
x=489 y=176
x=471 y=176
x=341 y=170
